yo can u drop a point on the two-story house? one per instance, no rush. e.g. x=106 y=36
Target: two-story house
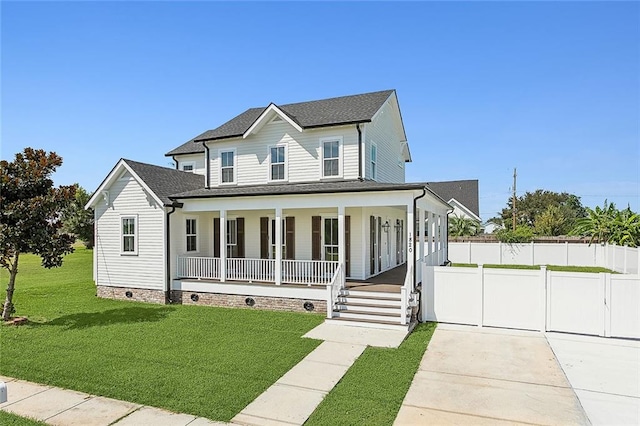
x=294 y=207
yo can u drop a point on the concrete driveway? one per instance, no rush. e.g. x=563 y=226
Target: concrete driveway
x=605 y=375
x=472 y=375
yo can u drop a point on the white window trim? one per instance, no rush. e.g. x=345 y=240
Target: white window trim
x=188 y=163
x=372 y=163
x=286 y=163
x=136 y=235
x=338 y=139
x=235 y=166
x=197 y=250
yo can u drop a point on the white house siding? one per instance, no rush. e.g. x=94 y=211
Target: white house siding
x=146 y=269
x=303 y=153
x=198 y=159
x=383 y=131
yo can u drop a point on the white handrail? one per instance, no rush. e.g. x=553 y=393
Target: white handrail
x=404 y=293
x=198 y=267
x=334 y=287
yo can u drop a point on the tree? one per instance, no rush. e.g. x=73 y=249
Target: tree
x=463 y=226
x=531 y=205
x=30 y=218
x=522 y=234
x=552 y=221
x=607 y=224
x=79 y=221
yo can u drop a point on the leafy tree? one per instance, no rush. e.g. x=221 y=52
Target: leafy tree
x=463 y=226
x=30 y=218
x=522 y=234
x=607 y=224
x=532 y=205
x=79 y=221
x=552 y=221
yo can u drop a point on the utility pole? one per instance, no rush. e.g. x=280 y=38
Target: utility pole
x=513 y=209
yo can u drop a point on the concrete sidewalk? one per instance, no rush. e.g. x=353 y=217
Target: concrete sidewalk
x=64 y=407
x=293 y=398
x=604 y=373
x=471 y=375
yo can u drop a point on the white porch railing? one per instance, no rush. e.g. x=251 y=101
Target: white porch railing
x=240 y=269
x=405 y=293
x=198 y=267
x=308 y=271
x=333 y=289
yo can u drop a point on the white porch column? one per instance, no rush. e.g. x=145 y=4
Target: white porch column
x=445 y=238
x=278 y=270
x=433 y=242
x=440 y=238
x=420 y=241
x=223 y=245
x=411 y=239
x=342 y=258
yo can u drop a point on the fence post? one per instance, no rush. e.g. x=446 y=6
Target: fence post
x=481 y=290
x=469 y=252
x=543 y=298
x=533 y=257
x=566 y=248
x=624 y=267
x=605 y=279
x=613 y=263
x=500 y=253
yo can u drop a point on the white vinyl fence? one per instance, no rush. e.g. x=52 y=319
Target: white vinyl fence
x=586 y=303
x=617 y=258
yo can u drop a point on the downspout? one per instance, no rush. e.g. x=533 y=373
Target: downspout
x=415 y=202
x=167 y=248
x=359 y=152
x=175 y=161
x=207 y=165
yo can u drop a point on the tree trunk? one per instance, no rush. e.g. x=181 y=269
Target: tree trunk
x=8 y=302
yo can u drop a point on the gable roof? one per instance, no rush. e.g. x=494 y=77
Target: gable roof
x=159 y=181
x=464 y=192
x=308 y=115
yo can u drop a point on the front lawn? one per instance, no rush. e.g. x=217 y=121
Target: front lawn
x=205 y=361
x=373 y=389
x=10 y=419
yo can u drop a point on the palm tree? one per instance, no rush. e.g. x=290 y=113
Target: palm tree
x=463 y=226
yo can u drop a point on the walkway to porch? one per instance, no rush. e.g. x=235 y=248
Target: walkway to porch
x=388 y=282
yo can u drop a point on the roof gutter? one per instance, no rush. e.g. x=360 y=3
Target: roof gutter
x=360 y=177
x=207 y=165
x=167 y=256
x=413 y=254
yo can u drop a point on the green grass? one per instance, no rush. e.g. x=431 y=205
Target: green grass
x=205 y=361
x=373 y=389
x=559 y=268
x=9 y=419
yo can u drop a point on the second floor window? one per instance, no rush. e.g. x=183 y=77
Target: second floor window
x=277 y=163
x=227 y=166
x=192 y=237
x=189 y=166
x=331 y=158
x=374 y=161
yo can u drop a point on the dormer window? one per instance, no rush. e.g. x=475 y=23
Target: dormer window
x=227 y=166
x=188 y=166
x=330 y=157
x=277 y=158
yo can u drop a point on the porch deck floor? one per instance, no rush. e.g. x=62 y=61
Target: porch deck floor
x=388 y=282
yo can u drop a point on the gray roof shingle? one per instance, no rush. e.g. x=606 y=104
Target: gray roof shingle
x=297 y=188
x=164 y=181
x=326 y=112
x=465 y=191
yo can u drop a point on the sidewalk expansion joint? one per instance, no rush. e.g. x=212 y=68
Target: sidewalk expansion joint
x=87 y=398
x=474 y=415
x=497 y=379
x=301 y=387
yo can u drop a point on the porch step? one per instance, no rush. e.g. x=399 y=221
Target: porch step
x=377 y=295
x=368 y=316
x=363 y=307
x=388 y=325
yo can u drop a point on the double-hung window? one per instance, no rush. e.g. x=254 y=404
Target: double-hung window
x=331 y=239
x=330 y=157
x=227 y=166
x=374 y=161
x=277 y=158
x=192 y=235
x=129 y=235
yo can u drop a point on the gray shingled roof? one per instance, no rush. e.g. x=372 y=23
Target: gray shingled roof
x=465 y=191
x=297 y=188
x=326 y=112
x=164 y=181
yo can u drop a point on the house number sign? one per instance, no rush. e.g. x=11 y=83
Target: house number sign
x=410 y=241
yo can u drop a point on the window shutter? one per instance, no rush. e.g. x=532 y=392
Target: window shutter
x=347 y=246
x=240 y=234
x=316 y=223
x=264 y=238
x=372 y=246
x=216 y=237
x=290 y=239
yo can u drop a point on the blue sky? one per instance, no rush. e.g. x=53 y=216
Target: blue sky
x=550 y=88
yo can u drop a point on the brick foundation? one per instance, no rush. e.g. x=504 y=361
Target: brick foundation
x=137 y=294
x=239 y=301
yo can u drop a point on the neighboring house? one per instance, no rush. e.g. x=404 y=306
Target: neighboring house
x=462 y=195
x=291 y=207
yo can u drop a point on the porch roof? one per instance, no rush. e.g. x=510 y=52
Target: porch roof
x=302 y=188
